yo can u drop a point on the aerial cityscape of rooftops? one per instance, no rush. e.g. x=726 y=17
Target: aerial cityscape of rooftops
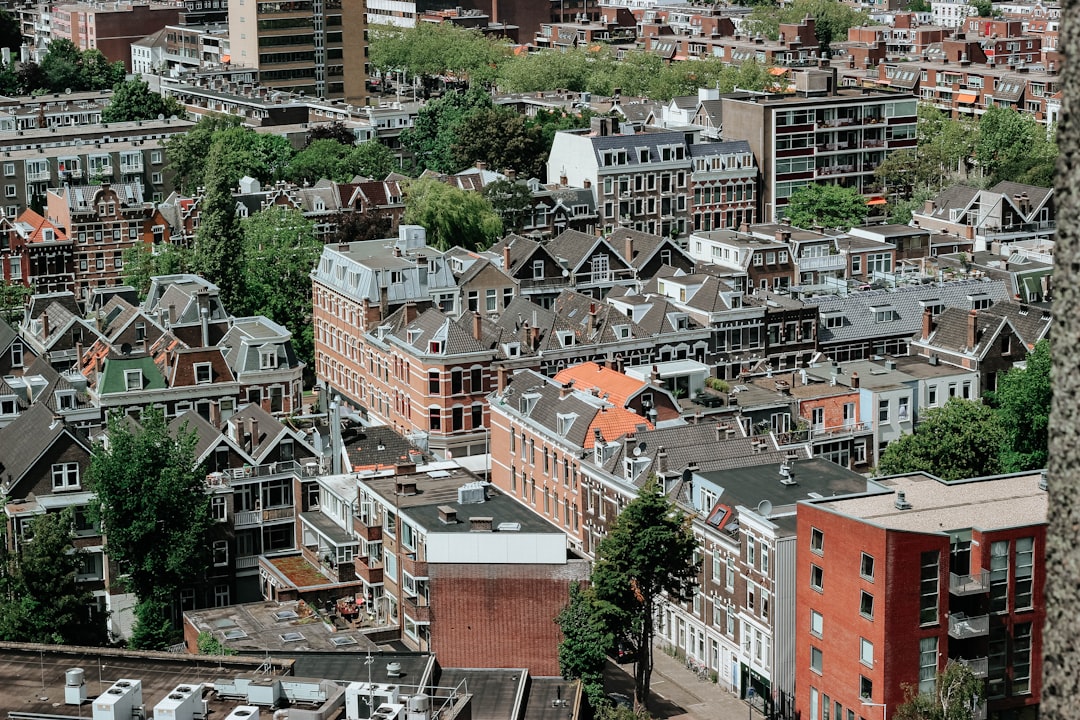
x=525 y=360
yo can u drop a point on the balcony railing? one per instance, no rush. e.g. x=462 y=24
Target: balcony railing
x=819 y=432
x=247 y=518
x=224 y=478
x=969 y=584
x=962 y=626
x=248 y=561
x=824 y=262
x=135 y=166
x=37 y=175
x=372 y=573
x=978 y=666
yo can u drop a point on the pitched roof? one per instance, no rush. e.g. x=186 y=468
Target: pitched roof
x=32 y=226
x=612 y=384
x=270 y=428
x=113 y=377
x=434 y=326
x=379 y=446
x=951 y=331
x=207 y=437
x=26 y=439
x=572 y=246
x=1030 y=323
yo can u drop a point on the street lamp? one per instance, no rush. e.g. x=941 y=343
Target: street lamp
x=884 y=708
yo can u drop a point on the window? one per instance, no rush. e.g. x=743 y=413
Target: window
x=751 y=552
x=928 y=664
x=931 y=395
x=65 y=476
x=268 y=360
x=202 y=373
x=883 y=411
x=16 y=354
x=10 y=191
x=1025 y=551
x=221 y=553
x=9 y=169
x=764 y=559
x=729 y=579
x=817 y=540
x=866 y=688
x=751 y=597
x=867 y=567
x=816 y=577
x=434 y=419
x=491 y=300
x=856 y=264
x=434 y=382
x=999 y=576
x=817 y=623
x=815 y=659
x=928 y=588
x=1021 y=659
x=866 y=605
x=902 y=408
x=218 y=510
x=133 y=380
x=538 y=269
x=866 y=652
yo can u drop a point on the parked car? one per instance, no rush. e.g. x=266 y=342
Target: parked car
x=624 y=651
x=620 y=700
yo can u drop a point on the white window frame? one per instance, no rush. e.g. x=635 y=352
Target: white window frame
x=65 y=476
x=203 y=367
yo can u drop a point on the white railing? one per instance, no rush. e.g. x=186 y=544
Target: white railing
x=248 y=561
x=969 y=584
x=962 y=626
x=247 y=518
x=826 y=262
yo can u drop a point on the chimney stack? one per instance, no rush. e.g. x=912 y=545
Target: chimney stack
x=973 y=329
x=502 y=375
x=927 y=323
x=506 y=257
x=477 y=327
x=854 y=381
x=410 y=311
x=566 y=390
x=661 y=462
x=534 y=337
x=628 y=248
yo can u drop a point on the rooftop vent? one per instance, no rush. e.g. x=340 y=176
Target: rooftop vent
x=901 y=501
x=447 y=515
x=472 y=493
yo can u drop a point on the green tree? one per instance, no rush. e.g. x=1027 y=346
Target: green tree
x=831 y=20
x=647 y=554
x=900 y=211
x=512 y=201
x=280 y=251
x=587 y=638
x=452 y=217
x=60 y=66
x=829 y=206
x=43 y=602
x=1014 y=146
x=219 y=245
x=570 y=69
x=210 y=645
x=188 y=152
x=151 y=500
x=962 y=439
x=436 y=131
x=10 y=32
x=957 y=695
x=144 y=261
x=330 y=159
x=983 y=8
x=503 y=139
x=97 y=72
x=919 y=6
x=436 y=49
x=12 y=299
x=1022 y=403
x=336 y=130
x=31 y=77
x=371 y=159
x=368 y=225
x=134 y=100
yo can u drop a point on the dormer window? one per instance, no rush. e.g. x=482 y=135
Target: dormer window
x=884 y=313
x=979 y=302
x=566 y=338
x=435 y=347
x=7 y=405
x=203 y=373
x=413 y=335
x=512 y=350
x=538 y=269
x=565 y=422
x=268 y=360
x=133 y=380
x=622 y=331
x=65 y=400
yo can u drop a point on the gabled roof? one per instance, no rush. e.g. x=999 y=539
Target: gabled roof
x=950 y=332
x=26 y=439
x=572 y=246
x=378 y=447
x=112 y=380
x=32 y=226
x=1031 y=324
x=954 y=197
x=434 y=326
x=270 y=429
x=613 y=385
x=207 y=437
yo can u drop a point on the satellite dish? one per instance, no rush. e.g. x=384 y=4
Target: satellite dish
x=764 y=508
x=161 y=116
x=565 y=273
x=67 y=91
x=640 y=448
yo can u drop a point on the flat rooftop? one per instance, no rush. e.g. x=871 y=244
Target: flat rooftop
x=992 y=503
x=277 y=627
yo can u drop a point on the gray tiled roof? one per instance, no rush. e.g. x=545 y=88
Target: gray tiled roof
x=955 y=197
x=23 y=441
x=1031 y=324
x=434 y=325
x=906 y=301
x=572 y=246
x=951 y=331
x=549 y=405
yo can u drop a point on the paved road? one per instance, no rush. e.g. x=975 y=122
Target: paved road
x=678 y=694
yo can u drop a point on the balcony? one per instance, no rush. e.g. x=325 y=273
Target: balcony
x=251 y=518
x=135 y=165
x=371 y=533
x=247 y=518
x=962 y=626
x=824 y=262
x=414 y=567
x=371 y=573
x=832 y=432
x=37 y=175
x=978 y=666
x=969 y=584
x=101 y=171
x=248 y=561
x=418 y=608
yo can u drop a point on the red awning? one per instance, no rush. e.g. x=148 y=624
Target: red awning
x=877 y=201
x=966 y=98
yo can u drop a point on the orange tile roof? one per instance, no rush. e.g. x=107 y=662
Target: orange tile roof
x=39 y=223
x=613 y=423
x=613 y=384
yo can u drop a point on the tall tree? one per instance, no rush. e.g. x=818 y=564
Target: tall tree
x=587 y=638
x=43 y=602
x=830 y=206
x=151 y=500
x=962 y=439
x=134 y=100
x=330 y=159
x=503 y=139
x=957 y=695
x=188 y=152
x=142 y=262
x=280 y=251
x=10 y=32
x=512 y=201
x=436 y=49
x=1014 y=146
x=219 y=245
x=647 y=554
x=436 y=131
x=452 y=217
x=336 y=130
x=368 y=225
x=1022 y=401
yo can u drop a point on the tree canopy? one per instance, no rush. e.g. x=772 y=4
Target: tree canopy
x=648 y=553
x=437 y=130
x=134 y=100
x=957 y=695
x=219 y=246
x=1022 y=403
x=1014 y=146
x=512 y=201
x=831 y=20
x=452 y=217
x=330 y=159
x=41 y=600
x=587 y=637
x=280 y=250
x=65 y=67
x=436 y=49
x=151 y=500
x=829 y=206
x=144 y=261
x=961 y=439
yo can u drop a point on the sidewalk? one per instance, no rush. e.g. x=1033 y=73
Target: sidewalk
x=678 y=694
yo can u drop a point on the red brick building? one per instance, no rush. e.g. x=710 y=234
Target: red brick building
x=36 y=254
x=891 y=586
x=112 y=27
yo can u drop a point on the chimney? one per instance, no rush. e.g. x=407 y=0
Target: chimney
x=477 y=327
x=480 y=524
x=172 y=315
x=566 y=390
x=586 y=183
x=721 y=432
x=405 y=486
x=511 y=174
x=854 y=381
x=927 y=323
x=215 y=414
x=534 y=337
x=481 y=165
x=661 y=462
x=45 y=324
x=384 y=302
x=447 y=515
x=502 y=375
x=783 y=235
x=253 y=425
x=79 y=353
x=973 y=329
x=397 y=251
x=204 y=319
x=654 y=376
x=590 y=323
x=628 y=248
x=563 y=180
x=506 y=257
x=410 y=311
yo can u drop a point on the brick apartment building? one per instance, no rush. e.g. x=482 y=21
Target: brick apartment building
x=36 y=254
x=893 y=585
x=111 y=27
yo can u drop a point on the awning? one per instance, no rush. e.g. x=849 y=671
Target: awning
x=877 y=201
x=966 y=98
x=777 y=71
